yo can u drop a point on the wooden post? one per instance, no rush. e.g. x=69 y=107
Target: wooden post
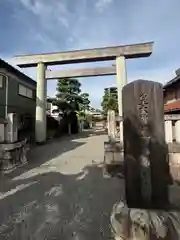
x=145 y=152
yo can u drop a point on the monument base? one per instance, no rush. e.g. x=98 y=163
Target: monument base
x=174 y=161
x=113 y=158
x=141 y=224
x=13 y=155
x=113 y=152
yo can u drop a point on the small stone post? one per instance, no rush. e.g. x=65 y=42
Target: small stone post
x=111 y=118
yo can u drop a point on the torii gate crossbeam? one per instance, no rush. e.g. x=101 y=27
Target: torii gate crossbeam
x=77 y=73
x=87 y=55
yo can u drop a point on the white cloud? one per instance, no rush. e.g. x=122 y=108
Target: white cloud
x=102 y=4
x=161 y=75
x=69 y=24
x=48 y=11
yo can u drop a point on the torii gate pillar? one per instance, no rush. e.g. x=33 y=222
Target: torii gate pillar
x=41 y=92
x=121 y=81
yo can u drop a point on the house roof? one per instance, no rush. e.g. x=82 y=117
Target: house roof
x=171 y=107
x=174 y=80
x=175 y=105
x=16 y=72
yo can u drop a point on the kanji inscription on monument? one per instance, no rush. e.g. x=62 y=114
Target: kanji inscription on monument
x=144 y=160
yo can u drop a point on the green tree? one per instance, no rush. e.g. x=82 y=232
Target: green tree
x=68 y=94
x=84 y=104
x=110 y=100
x=98 y=111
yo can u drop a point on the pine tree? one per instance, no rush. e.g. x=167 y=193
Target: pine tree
x=110 y=100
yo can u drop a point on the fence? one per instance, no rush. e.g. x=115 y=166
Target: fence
x=172 y=127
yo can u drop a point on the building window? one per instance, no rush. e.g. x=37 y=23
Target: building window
x=22 y=90
x=26 y=92
x=29 y=93
x=1 y=80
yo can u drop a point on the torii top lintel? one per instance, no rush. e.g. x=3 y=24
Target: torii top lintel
x=87 y=55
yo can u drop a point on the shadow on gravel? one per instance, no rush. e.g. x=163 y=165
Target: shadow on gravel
x=39 y=155
x=51 y=205
x=89 y=133
x=57 y=206
x=115 y=170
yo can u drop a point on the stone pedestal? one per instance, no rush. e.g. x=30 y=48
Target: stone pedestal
x=113 y=153
x=141 y=224
x=113 y=159
x=12 y=155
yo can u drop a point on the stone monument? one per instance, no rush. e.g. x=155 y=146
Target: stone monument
x=145 y=213
x=145 y=150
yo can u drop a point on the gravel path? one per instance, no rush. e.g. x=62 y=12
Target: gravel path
x=61 y=193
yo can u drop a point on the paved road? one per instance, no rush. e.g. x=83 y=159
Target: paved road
x=60 y=194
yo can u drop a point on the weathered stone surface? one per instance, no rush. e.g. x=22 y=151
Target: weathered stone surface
x=145 y=151
x=141 y=224
x=113 y=153
x=12 y=155
x=174 y=147
x=113 y=159
x=174 y=165
x=111 y=119
x=86 y=55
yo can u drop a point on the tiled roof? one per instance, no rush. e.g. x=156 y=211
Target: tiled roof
x=174 y=80
x=173 y=106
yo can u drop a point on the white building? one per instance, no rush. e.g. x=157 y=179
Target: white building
x=53 y=111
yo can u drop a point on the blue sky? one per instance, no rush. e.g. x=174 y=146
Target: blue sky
x=35 y=26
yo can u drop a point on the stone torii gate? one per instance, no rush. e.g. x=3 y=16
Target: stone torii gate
x=41 y=61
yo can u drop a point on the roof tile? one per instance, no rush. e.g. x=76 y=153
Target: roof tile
x=172 y=106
